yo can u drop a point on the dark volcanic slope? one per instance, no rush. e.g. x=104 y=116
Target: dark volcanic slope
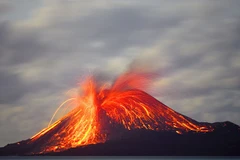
x=224 y=141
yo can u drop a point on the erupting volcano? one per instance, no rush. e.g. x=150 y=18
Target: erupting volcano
x=99 y=109
x=100 y=112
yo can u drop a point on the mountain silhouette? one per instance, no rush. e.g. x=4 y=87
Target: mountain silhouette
x=123 y=120
x=222 y=140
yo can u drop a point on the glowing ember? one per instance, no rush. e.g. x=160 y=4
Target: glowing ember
x=98 y=107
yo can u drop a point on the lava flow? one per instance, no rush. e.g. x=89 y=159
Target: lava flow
x=99 y=108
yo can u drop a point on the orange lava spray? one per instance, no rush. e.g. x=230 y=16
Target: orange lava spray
x=123 y=103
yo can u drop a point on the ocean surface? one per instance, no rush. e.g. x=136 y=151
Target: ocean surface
x=113 y=158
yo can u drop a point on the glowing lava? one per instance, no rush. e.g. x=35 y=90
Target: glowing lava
x=123 y=104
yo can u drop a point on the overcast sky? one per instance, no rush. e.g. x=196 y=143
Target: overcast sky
x=46 y=47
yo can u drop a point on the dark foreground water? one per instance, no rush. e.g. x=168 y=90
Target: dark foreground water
x=115 y=158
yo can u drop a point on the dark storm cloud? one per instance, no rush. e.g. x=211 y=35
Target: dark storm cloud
x=5 y=7
x=117 y=28
x=17 y=49
x=19 y=46
x=114 y=24
x=11 y=88
x=221 y=45
x=193 y=45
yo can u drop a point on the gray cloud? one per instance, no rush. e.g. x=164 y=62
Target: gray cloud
x=192 y=45
x=11 y=88
x=17 y=48
x=5 y=7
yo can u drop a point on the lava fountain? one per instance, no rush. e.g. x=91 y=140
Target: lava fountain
x=99 y=109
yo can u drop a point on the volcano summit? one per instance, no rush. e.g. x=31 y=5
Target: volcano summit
x=125 y=120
